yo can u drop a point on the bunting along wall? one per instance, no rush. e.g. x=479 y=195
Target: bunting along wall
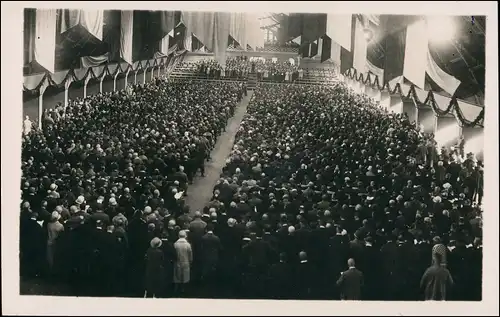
x=126 y=36
x=45 y=38
x=394 y=28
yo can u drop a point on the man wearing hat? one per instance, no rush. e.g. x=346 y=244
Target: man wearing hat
x=182 y=266
x=155 y=270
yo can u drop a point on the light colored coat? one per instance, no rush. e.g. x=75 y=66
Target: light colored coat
x=182 y=265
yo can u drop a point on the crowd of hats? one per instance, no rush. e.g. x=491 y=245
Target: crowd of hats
x=323 y=159
x=120 y=154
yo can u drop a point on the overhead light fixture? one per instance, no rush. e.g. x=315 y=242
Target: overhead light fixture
x=441 y=28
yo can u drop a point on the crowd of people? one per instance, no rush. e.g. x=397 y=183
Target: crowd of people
x=104 y=173
x=320 y=177
x=324 y=196
x=239 y=67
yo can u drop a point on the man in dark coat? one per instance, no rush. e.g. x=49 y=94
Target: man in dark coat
x=210 y=253
x=32 y=244
x=351 y=282
x=280 y=278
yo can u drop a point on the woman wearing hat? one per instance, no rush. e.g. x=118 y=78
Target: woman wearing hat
x=155 y=270
x=54 y=229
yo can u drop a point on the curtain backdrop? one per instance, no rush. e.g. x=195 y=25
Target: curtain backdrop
x=165 y=42
x=347 y=54
x=338 y=28
x=379 y=72
x=126 y=35
x=202 y=24
x=222 y=21
x=45 y=38
x=359 y=54
x=92 y=61
x=91 y=20
x=395 y=44
x=313 y=26
x=444 y=80
x=295 y=25
x=167 y=21
x=320 y=47
x=415 y=58
x=255 y=36
x=238 y=28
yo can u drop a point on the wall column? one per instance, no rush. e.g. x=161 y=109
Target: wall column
x=67 y=84
x=114 y=80
x=41 y=91
x=87 y=79
x=101 y=80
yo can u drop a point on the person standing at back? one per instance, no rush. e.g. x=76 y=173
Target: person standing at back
x=437 y=280
x=350 y=282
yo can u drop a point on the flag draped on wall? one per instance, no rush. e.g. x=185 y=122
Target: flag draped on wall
x=126 y=36
x=238 y=28
x=91 y=20
x=45 y=38
x=415 y=58
x=255 y=36
x=297 y=40
x=339 y=29
x=346 y=54
x=188 y=41
x=313 y=26
x=444 y=80
x=394 y=28
x=360 y=43
x=202 y=24
x=294 y=25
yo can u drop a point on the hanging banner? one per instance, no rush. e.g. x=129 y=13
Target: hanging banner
x=45 y=38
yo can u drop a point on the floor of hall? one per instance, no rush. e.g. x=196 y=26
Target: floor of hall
x=200 y=192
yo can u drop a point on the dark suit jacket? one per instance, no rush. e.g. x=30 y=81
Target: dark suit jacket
x=351 y=284
x=280 y=276
x=210 y=248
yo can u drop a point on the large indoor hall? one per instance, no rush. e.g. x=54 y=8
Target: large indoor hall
x=299 y=156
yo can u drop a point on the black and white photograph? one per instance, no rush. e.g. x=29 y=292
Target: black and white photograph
x=173 y=152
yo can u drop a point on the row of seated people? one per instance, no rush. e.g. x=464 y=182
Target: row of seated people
x=319 y=175
x=105 y=156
